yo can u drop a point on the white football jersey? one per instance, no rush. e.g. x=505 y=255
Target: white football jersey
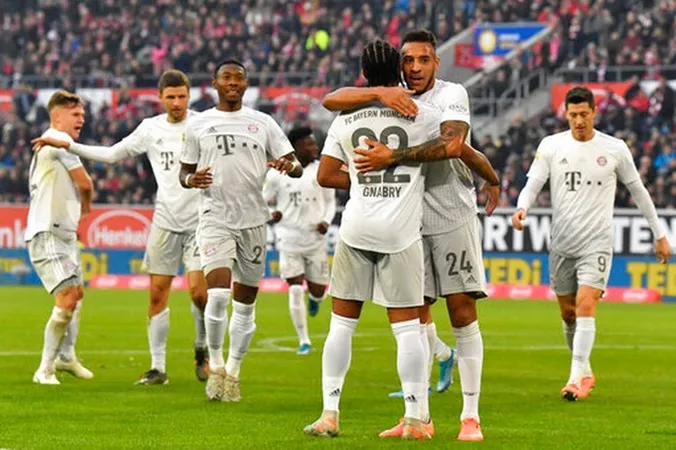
x=54 y=197
x=450 y=196
x=583 y=178
x=384 y=212
x=304 y=204
x=237 y=147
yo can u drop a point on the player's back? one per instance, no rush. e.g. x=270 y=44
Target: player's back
x=236 y=146
x=384 y=212
x=54 y=198
x=175 y=207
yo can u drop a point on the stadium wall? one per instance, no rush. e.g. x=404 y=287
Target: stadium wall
x=113 y=241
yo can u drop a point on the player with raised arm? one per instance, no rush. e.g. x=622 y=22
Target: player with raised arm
x=583 y=167
x=304 y=211
x=60 y=195
x=379 y=256
x=451 y=236
x=172 y=235
x=232 y=145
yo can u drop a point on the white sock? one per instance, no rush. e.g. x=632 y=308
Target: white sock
x=158 y=331
x=429 y=361
x=55 y=330
x=440 y=349
x=583 y=342
x=216 y=323
x=242 y=328
x=298 y=312
x=336 y=358
x=411 y=365
x=470 y=348
x=67 y=348
x=569 y=333
x=200 y=329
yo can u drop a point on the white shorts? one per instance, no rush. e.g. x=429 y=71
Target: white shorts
x=392 y=280
x=567 y=274
x=313 y=264
x=242 y=251
x=56 y=259
x=454 y=263
x=166 y=250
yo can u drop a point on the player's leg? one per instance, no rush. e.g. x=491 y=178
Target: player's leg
x=248 y=271
x=317 y=276
x=162 y=261
x=50 y=257
x=352 y=278
x=568 y=320
x=592 y=275
x=217 y=254
x=398 y=286
x=462 y=282
x=291 y=268
x=197 y=286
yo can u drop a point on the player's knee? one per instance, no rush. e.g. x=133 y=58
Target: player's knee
x=425 y=314
x=316 y=290
x=158 y=296
x=568 y=314
x=586 y=307
x=67 y=298
x=198 y=295
x=461 y=310
x=80 y=293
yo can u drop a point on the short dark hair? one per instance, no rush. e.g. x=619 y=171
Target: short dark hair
x=580 y=94
x=380 y=64
x=298 y=133
x=173 y=78
x=64 y=98
x=420 y=35
x=227 y=62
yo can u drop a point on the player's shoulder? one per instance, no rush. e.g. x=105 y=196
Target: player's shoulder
x=56 y=134
x=449 y=87
x=609 y=142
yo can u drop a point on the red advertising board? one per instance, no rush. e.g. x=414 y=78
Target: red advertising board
x=105 y=227
x=600 y=90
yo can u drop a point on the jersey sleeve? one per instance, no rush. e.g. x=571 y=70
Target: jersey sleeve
x=626 y=169
x=540 y=169
x=190 y=150
x=329 y=196
x=332 y=146
x=271 y=185
x=456 y=105
x=278 y=143
x=67 y=159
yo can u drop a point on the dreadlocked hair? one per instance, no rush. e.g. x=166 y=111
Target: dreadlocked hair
x=380 y=64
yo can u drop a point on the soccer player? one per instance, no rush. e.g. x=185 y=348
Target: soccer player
x=451 y=236
x=583 y=167
x=60 y=194
x=232 y=144
x=380 y=252
x=303 y=215
x=172 y=235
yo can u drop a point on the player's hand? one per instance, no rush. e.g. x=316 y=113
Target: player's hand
x=493 y=197
x=201 y=179
x=517 y=219
x=322 y=227
x=40 y=142
x=399 y=99
x=378 y=157
x=282 y=165
x=276 y=216
x=662 y=250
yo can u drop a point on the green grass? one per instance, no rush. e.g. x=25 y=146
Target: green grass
x=526 y=363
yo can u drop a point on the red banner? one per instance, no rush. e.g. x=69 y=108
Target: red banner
x=601 y=93
x=105 y=227
x=465 y=57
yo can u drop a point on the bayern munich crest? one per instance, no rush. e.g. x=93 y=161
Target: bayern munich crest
x=601 y=160
x=253 y=128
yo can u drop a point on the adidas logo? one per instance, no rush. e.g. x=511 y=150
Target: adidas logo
x=212 y=130
x=563 y=161
x=411 y=399
x=334 y=393
x=602 y=280
x=160 y=141
x=471 y=279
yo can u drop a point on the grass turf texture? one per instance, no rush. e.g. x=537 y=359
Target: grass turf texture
x=526 y=364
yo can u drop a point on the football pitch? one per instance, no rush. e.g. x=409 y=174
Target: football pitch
x=526 y=364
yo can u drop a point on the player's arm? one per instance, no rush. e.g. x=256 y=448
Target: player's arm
x=280 y=151
x=479 y=164
x=131 y=145
x=396 y=97
x=189 y=176
x=330 y=173
x=270 y=192
x=287 y=164
x=329 y=196
x=537 y=177
x=80 y=178
x=629 y=176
